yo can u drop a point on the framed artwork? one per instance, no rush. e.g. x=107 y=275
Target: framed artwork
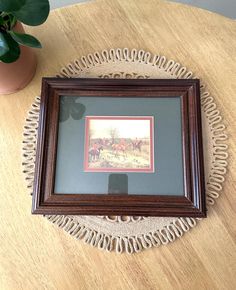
x=119 y=147
x=119 y=144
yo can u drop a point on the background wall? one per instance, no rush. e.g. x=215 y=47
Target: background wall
x=60 y=3
x=224 y=7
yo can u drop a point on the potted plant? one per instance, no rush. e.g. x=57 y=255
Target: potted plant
x=17 y=59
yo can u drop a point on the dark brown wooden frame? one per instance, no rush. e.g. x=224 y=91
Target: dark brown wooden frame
x=191 y=204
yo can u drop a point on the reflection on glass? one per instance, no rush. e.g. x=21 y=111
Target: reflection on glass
x=69 y=106
x=118 y=184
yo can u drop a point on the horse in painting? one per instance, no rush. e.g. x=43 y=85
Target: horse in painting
x=95 y=151
x=137 y=145
x=120 y=148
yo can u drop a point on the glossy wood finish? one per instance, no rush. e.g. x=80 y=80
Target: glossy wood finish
x=35 y=254
x=192 y=203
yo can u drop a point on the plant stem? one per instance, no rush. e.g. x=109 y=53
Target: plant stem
x=3 y=14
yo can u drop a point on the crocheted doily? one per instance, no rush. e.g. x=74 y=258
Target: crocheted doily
x=132 y=234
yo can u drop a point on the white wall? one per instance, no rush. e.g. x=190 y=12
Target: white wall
x=60 y=3
x=224 y=7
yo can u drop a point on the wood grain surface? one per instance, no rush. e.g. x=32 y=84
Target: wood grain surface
x=34 y=254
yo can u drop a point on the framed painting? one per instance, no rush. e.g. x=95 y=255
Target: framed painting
x=119 y=144
x=119 y=147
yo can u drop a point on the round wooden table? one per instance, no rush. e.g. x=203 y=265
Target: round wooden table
x=34 y=254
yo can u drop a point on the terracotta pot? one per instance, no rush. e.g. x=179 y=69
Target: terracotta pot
x=15 y=76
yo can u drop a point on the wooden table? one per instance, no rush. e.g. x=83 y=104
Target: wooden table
x=34 y=254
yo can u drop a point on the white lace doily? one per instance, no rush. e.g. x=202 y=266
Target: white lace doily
x=132 y=234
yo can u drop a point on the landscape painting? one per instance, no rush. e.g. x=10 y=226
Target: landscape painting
x=119 y=144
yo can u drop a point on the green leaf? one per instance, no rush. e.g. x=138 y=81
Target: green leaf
x=11 y=5
x=1 y=21
x=3 y=45
x=13 y=52
x=12 y=20
x=25 y=39
x=33 y=12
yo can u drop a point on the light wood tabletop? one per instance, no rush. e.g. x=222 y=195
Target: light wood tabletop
x=34 y=254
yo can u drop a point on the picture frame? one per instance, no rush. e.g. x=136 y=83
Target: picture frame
x=142 y=155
